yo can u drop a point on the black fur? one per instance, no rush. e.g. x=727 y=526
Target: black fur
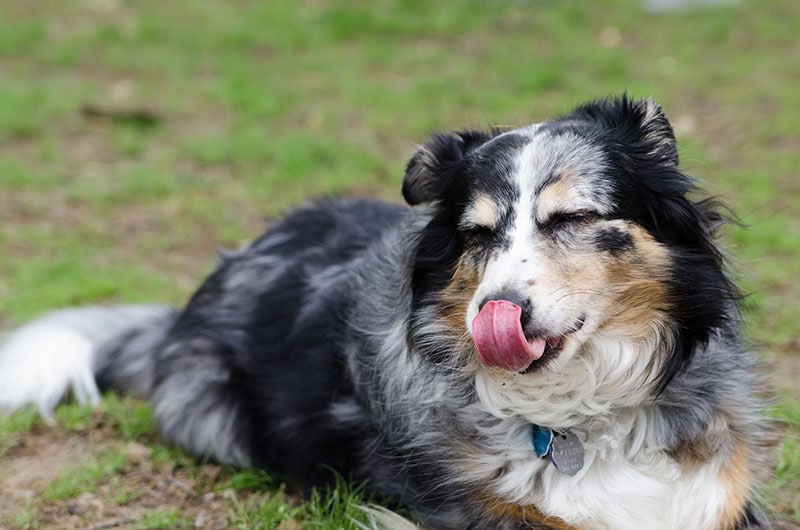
x=613 y=240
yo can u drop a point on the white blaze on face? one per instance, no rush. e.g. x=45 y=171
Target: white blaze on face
x=552 y=174
x=516 y=265
x=512 y=267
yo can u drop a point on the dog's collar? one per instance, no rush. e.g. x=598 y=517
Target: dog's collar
x=564 y=449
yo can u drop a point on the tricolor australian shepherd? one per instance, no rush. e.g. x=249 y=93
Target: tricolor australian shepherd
x=545 y=338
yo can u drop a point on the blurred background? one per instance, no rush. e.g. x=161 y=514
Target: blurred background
x=136 y=137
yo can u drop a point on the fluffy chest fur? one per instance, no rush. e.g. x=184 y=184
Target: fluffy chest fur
x=625 y=483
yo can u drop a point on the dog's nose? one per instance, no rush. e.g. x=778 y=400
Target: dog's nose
x=515 y=298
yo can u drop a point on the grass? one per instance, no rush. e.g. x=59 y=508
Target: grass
x=256 y=106
x=334 y=509
x=86 y=479
x=12 y=426
x=165 y=519
x=782 y=493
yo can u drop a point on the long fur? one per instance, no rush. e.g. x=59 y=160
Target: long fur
x=343 y=338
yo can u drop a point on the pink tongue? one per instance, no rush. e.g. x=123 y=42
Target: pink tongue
x=497 y=331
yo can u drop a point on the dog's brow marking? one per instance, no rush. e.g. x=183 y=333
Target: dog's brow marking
x=552 y=178
x=553 y=196
x=482 y=212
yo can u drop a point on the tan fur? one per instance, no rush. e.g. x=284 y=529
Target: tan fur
x=641 y=298
x=482 y=212
x=555 y=195
x=522 y=514
x=456 y=296
x=736 y=478
x=715 y=440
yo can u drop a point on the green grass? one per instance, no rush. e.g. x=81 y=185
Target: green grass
x=783 y=491
x=72 y=484
x=261 y=104
x=11 y=426
x=164 y=519
x=335 y=509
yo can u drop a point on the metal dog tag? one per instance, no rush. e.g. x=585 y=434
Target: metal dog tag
x=567 y=452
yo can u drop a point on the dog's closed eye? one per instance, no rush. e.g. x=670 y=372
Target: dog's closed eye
x=559 y=221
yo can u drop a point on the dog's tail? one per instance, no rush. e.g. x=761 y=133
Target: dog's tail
x=82 y=349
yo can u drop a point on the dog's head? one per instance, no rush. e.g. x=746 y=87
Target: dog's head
x=565 y=254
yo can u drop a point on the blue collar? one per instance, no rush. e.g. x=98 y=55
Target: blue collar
x=564 y=448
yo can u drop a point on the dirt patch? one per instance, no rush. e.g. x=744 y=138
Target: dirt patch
x=33 y=461
x=124 y=498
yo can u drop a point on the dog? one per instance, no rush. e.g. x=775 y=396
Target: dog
x=545 y=337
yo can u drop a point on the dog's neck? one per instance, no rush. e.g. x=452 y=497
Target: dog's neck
x=624 y=458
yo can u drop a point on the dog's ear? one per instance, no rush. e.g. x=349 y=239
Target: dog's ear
x=434 y=166
x=639 y=125
x=656 y=129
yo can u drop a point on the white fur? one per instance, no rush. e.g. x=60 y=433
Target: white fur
x=621 y=463
x=41 y=362
x=381 y=518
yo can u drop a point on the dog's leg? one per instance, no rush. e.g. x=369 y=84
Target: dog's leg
x=198 y=401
